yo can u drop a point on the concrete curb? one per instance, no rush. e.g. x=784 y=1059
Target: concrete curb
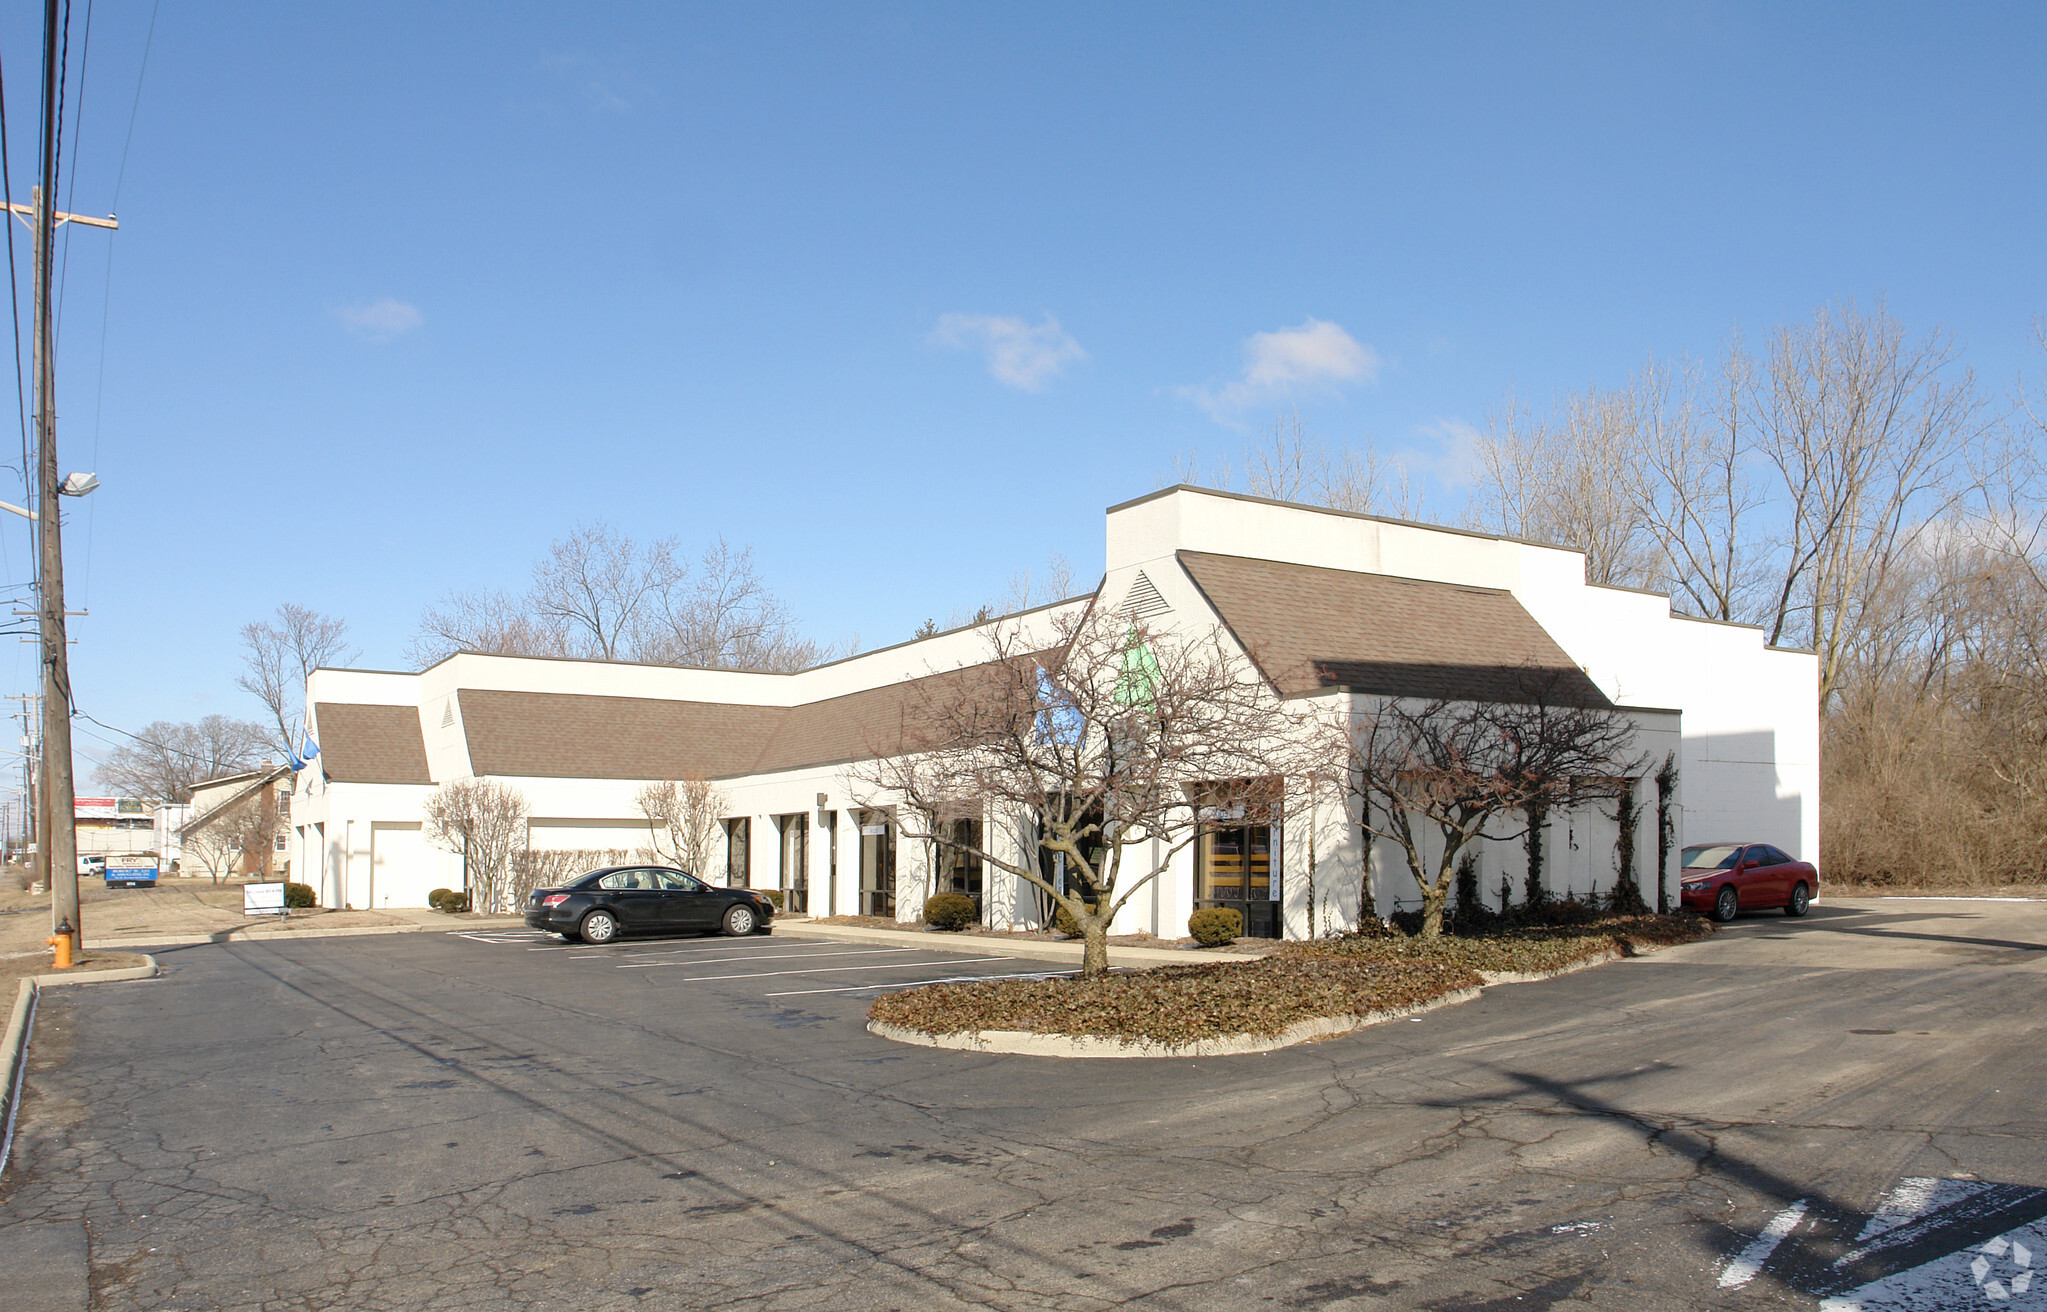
x=242 y=935
x=1025 y=1043
x=12 y=1048
x=983 y=944
x=150 y=971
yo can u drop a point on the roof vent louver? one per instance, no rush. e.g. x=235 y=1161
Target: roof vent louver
x=448 y=716
x=1144 y=600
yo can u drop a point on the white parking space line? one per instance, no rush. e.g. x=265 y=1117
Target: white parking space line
x=917 y=983
x=832 y=970
x=784 y=956
x=644 y=948
x=1743 y=1267
x=716 y=950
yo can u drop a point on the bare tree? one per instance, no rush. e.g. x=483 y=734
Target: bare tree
x=1868 y=434
x=240 y=832
x=165 y=760
x=684 y=814
x=1687 y=469
x=1287 y=463
x=602 y=588
x=277 y=658
x=214 y=848
x=1560 y=482
x=1435 y=775
x=1090 y=751
x=491 y=621
x=554 y=867
x=601 y=595
x=485 y=821
x=1027 y=590
x=723 y=617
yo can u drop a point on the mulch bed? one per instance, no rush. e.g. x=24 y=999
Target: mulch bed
x=1528 y=950
x=1350 y=975
x=1029 y=935
x=1177 y=1004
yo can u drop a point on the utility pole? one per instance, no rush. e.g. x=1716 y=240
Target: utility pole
x=58 y=850
x=29 y=758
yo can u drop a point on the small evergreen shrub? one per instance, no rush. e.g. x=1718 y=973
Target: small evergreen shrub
x=300 y=896
x=950 y=911
x=777 y=897
x=1212 y=927
x=448 y=900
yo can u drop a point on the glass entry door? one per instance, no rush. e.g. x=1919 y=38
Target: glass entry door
x=795 y=879
x=959 y=870
x=877 y=864
x=1233 y=868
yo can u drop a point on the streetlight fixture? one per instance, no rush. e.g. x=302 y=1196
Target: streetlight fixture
x=74 y=485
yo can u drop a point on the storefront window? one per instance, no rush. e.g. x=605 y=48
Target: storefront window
x=737 y=857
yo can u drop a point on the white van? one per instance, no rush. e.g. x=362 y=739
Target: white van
x=95 y=865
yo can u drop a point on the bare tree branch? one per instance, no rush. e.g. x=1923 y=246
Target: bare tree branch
x=278 y=657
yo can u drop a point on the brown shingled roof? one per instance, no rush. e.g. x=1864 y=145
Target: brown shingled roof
x=558 y=735
x=1310 y=628
x=583 y=736
x=371 y=744
x=872 y=722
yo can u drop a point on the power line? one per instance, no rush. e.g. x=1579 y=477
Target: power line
x=70 y=180
x=14 y=297
x=147 y=42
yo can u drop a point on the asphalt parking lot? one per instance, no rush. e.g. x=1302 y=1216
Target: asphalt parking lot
x=1847 y=1108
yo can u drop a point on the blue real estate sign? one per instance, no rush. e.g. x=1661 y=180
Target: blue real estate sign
x=131 y=872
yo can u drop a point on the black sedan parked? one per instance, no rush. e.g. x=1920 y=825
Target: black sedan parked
x=603 y=904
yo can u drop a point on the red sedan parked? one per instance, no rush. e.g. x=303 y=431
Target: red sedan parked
x=1725 y=879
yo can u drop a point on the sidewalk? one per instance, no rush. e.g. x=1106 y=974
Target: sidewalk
x=175 y=913
x=1002 y=945
x=164 y=932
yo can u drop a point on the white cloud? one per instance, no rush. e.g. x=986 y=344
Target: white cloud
x=1454 y=457
x=1313 y=354
x=380 y=320
x=1019 y=354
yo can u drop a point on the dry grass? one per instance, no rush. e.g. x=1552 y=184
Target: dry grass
x=1920 y=795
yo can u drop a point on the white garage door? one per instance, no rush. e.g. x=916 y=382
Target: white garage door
x=399 y=871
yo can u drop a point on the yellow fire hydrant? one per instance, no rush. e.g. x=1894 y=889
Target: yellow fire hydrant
x=61 y=941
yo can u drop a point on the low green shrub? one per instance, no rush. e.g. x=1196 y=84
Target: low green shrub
x=448 y=900
x=1212 y=927
x=950 y=911
x=300 y=896
x=776 y=896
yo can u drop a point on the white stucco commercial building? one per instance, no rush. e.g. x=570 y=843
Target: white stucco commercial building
x=1324 y=603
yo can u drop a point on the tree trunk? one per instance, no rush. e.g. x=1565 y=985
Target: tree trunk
x=1094 y=955
x=1432 y=910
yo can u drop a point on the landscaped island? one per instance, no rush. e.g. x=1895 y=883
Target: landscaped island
x=1299 y=991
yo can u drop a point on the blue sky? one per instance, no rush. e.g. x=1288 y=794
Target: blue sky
x=404 y=292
